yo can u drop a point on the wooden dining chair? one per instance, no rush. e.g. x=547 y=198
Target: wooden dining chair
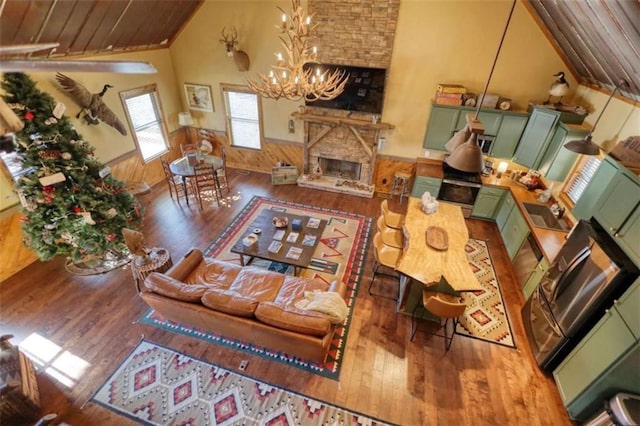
x=392 y=219
x=206 y=184
x=385 y=257
x=176 y=183
x=390 y=236
x=222 y=172
x=439 y=306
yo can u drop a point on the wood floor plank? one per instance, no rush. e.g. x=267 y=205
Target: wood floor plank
x=383 y=373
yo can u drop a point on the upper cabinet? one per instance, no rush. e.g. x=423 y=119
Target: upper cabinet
x=584 y=207
x=557 y=160
x=536 y=137
x=506 y=126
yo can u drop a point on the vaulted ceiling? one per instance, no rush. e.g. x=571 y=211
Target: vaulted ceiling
x=598 y=39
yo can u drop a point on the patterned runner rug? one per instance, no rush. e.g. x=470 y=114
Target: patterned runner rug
x=485 y=317
x=158 y=386
x=340 y=255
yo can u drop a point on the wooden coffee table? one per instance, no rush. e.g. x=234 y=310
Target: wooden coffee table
x=260 y=249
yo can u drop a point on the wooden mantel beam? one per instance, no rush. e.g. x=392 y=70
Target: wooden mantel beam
x=344 y=121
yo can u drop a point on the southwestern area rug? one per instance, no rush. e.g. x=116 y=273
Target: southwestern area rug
x=485 y=317
x=158 y=386
x=340 y=255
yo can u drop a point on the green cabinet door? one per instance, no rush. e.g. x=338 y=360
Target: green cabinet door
x=621 y=197
x=508 y=135
x=442 y=123
x=535 y=137
x=628 y=238
x=585 y=206
x=607 y=341
x=508 y=202
x=487 y=202
x=514 y=233
x=629 y=308
x=423 y=184
x=558 y=160
x=490 y=121
x=534 y=279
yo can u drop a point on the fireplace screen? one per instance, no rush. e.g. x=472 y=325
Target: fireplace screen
x=340 y=168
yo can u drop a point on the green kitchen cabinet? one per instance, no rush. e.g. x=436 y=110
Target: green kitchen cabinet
x=490 y=121
x=629 y=308
x=508 y=202
x=618 y=211
x=487 y=202
x=423 y=184
x=534 y=279
x=585 y=206
x=515 y=231
x=605 y=361
x=442 y=123
x=536 y=137
x=508 y=135
x=557 y=160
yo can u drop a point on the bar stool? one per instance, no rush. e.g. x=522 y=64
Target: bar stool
x=400 y=184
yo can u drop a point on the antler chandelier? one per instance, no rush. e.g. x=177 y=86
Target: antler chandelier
x=295 y=78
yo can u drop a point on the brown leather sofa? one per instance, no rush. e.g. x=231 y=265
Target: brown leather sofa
x=247 y=303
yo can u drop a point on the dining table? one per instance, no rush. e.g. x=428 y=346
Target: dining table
x=440 y=266
x=183 y=167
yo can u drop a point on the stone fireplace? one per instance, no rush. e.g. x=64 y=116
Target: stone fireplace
x=340 y=151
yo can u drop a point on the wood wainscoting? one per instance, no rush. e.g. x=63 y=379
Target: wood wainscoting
x=386 y=166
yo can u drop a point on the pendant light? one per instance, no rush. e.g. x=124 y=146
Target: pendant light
x=586 y=146
x=467 y=156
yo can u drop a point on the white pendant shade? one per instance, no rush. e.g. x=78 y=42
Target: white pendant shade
x=458 y=139
x=467 y=157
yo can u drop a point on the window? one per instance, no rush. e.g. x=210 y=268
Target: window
x=581 y=177
x=144 y=112
x=244 y=116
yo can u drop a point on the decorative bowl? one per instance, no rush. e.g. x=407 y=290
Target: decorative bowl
x=280 y=222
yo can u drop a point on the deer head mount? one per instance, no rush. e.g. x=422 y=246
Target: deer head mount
x=240 y=57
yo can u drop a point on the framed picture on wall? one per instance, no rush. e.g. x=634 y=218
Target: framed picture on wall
x=198 y=97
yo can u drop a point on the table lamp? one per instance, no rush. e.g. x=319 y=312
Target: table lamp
x=502 y=167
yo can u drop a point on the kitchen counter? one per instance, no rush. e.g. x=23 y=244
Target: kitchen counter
x=548 y=240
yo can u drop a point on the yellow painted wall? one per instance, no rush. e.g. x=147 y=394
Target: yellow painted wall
x=108 y=142
x=200 y=58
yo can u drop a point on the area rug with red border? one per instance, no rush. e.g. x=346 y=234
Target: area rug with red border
x=155 y=385
x=340 y=255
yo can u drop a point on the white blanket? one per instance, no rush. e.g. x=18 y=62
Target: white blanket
x=329 y=303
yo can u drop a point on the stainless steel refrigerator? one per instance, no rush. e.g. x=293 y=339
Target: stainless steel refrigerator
x=589 y=272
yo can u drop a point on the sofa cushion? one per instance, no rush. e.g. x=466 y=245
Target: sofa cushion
x=167 y=286
x=293 y=289
x=230 y=302
x=257 y=283
x=293 y=319
x=214 y=273
x=184 y=266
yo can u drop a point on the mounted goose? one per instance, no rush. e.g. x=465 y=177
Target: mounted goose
x=91 y=103
x=559 y=88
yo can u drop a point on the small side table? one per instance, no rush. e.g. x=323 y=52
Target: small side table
x=158 y=260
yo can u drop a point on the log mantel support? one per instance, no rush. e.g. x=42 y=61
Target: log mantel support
x=356 y=126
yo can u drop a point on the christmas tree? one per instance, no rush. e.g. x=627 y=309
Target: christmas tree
x=71 y=206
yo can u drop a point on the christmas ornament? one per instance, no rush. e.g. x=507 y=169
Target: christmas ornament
x=28 y=115
x=66 y=155
x=59 y=109
x=112 y=237
x=52 y=179
x=51 y=120
x=87 y=218
x=112 y=212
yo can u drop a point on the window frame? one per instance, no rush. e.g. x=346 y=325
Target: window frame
x=151 y=89
x=224 y=88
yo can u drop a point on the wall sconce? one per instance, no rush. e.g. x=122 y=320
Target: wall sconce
x=292 y=126
x=185 y=119
x=502 y=167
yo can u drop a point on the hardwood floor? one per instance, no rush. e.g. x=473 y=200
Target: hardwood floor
x=383 y=375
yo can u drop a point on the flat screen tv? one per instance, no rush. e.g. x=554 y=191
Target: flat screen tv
x=364 y=91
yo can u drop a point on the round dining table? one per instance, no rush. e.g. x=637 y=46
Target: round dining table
x=181 y=167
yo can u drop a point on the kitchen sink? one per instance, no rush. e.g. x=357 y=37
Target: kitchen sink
x=542 y=217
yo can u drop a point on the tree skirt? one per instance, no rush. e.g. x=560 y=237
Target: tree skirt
x=98 y=265
x=157 y=386
x=340 y=255
x=485 y=317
